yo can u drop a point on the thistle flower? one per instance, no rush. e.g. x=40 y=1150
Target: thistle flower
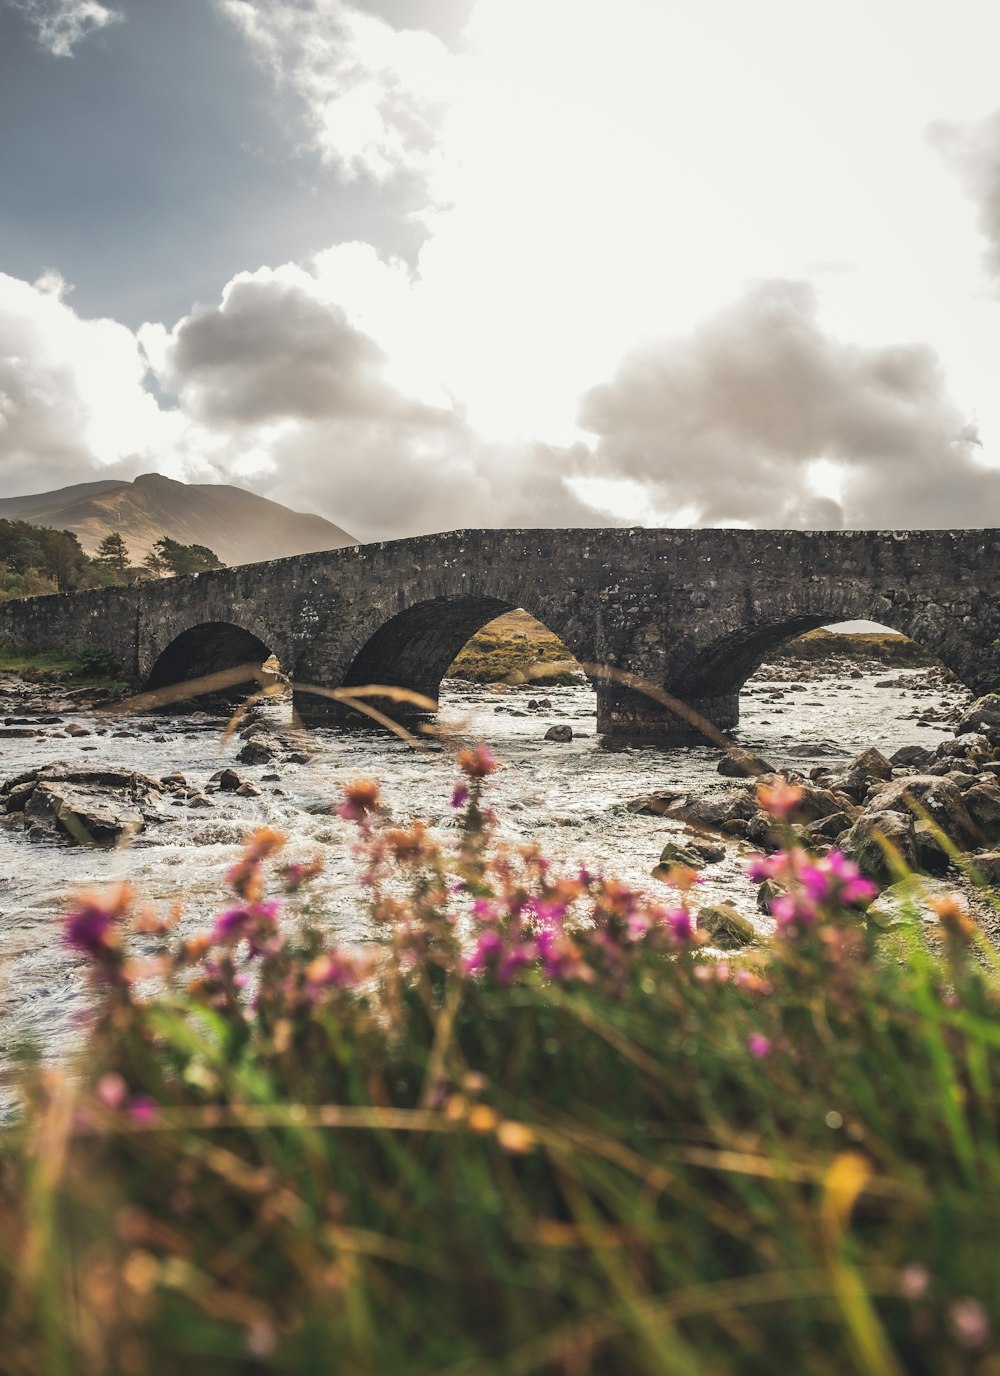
x=361 y=798
x=477 y=763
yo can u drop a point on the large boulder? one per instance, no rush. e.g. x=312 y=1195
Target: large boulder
x=934 y=798
x=909 y=901
x=983 y=803
x=970 y=743
x=100 y=807
x=560 y=734
x=726 y=927
x=259 y=750
x=983 y=715
x=713 y=809
x=879 y=841
x=868 y=768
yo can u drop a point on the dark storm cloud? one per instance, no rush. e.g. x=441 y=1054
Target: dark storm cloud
x=724 y=424
x=974 y=150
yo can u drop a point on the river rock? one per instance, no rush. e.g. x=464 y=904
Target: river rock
x=988 y=867
x=894 y=906
x=932 y=856
x=910 y=756
x=74 y=728
x=99 y=807
x=971 y=743
x=653 y=804
x=743 y=764
x=983 y=716
x=258 y=750
x=713 y=809
x=983 y=803
x=939 y=798
x=727 y=927
x=562 y=734
x=870 y=837
x=229 y=781
x=868 y=768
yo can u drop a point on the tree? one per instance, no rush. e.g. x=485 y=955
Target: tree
x=186 y=558
x=113 y=553
x=154 y=565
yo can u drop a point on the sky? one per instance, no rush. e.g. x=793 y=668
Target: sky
x=424 y=264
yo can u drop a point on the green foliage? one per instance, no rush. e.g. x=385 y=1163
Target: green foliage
x=36 y=559
x=113 y=552
x=181 y=559
x=299 y=1157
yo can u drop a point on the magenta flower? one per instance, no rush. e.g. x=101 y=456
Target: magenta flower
x=459 y=795
x=762 y=867
x=89 y=929
x=485 y=951
x=758 y=1045
x=681 y=926
x=142 y=1109
x=255 y=921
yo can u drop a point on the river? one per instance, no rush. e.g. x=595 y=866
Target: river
x=570 y=797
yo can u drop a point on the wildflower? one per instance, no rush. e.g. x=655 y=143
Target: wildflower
x=92 y=924
x=793 y=912
x=779 y=799
x=680 y=925
x=459 y=795
x=360 y=799
x=477 y=763
x=254 y=921
x=112 y=1090
x=759 y=1046
x=515 y=1137
x=142 y=1109
x=969 y=1323
x=955 y=921
x=293 y=876
x=914 y=1279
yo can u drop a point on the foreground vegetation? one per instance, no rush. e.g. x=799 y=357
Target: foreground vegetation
x=534 y=1129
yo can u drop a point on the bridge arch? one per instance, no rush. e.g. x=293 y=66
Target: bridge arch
x=208 y=647
x=414 y=646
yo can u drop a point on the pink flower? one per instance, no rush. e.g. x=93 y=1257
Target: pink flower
x=758 y=1045
x=112 y=1090
x=459 y=795
x=142 y=1109
x=680 y=925
x=779 y=799
x=762 y=867
x=255 y=921
x=486 y=949
x=969 y=1322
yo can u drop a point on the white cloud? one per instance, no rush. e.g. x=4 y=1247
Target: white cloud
x=372 y=93
x=72 y=395
x=761 y=417
x=62 y=24
x=974 y=150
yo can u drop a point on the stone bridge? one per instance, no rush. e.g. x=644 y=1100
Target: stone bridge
x=693 y=612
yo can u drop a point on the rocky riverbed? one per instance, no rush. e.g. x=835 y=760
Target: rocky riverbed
x=167 y=800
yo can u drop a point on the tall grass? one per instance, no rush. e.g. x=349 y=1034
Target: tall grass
x=537 y=1129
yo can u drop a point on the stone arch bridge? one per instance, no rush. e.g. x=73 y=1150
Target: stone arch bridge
x=693 y=612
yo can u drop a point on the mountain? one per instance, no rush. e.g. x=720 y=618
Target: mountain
x=239 y=526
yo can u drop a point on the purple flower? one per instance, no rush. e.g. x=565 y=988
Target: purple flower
x=758 y=1045
x=459 y=795
x=680 y=926
x=250 y=920
x=761 y=867
x=89 y=929
x=486 y=949
x=142 y=1109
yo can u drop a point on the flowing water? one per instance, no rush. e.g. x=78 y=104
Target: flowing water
x=570 y=797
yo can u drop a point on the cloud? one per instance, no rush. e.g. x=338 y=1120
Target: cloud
x=974 y=151
x=72 y=395
x=281 y=370
x=62 y=24
x=734 y=423
x=372 y=93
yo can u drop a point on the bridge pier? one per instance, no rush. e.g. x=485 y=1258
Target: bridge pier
x=628 y=716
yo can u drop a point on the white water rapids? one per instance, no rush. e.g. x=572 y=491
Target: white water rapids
x=569 y=797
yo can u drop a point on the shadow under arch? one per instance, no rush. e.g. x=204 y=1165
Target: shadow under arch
x=411 y=650
x=209 y=648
